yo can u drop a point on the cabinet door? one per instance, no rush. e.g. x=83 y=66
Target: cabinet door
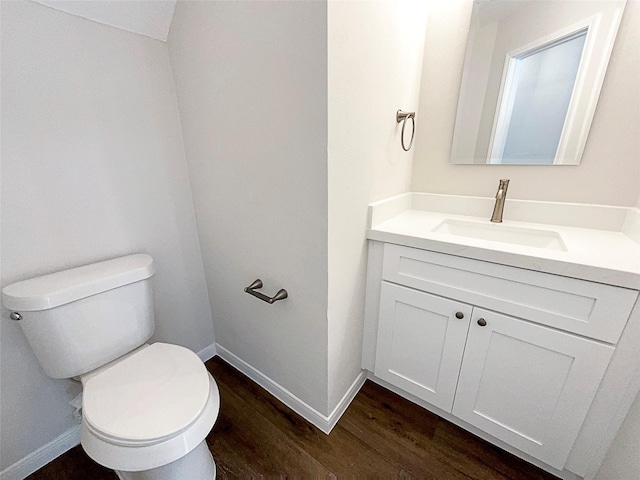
x=528 y=385
x=420 y=343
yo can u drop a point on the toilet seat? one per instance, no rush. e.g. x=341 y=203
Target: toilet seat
x=147 y=397
x=148 y=409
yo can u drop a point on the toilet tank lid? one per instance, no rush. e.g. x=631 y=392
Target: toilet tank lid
x=55 y=289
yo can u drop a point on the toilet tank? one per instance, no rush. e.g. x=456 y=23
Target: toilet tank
x=79 y=319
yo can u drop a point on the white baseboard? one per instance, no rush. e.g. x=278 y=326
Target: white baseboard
x=43 y=455
x=323 y=422
x=346 y=400
x=208 y=352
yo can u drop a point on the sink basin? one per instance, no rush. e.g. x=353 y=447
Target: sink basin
x=527 y=237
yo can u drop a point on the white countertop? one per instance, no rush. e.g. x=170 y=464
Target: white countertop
x=604 y=256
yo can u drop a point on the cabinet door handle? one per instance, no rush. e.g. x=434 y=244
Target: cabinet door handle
x=482 y=322
x=459 y=315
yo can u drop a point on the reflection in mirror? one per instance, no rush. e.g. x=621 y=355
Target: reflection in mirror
x=543 y=76
x=532 y=76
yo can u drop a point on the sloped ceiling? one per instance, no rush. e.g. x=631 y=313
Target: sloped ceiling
x=151 y=18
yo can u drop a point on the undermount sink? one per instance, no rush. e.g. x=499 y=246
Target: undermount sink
x=528 y=237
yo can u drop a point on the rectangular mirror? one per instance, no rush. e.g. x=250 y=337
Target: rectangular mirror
x=532 y=76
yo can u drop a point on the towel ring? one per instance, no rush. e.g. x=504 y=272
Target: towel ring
x=403 y=117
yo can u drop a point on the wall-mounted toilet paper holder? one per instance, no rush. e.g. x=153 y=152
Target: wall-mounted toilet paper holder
x=251 y=290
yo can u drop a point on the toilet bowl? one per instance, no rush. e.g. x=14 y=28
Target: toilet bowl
x=149 y=409
x=146 y=408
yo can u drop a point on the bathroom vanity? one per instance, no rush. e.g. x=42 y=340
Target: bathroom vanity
x=524 y=332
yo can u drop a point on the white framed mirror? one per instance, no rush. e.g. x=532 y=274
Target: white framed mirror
x=532 y=77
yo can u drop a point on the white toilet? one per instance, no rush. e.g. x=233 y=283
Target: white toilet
x=146 y=408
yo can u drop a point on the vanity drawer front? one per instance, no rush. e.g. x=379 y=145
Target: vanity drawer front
x=586 y=308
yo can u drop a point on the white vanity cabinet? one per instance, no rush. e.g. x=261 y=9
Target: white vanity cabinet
x=517 y=354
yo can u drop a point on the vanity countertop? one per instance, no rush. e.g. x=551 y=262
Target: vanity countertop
x=600 y=255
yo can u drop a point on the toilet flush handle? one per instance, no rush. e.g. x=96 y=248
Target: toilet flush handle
x=15 y=316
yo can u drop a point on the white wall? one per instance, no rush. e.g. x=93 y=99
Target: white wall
x=251 y=79
x=148 y=18
x=374 y=68
x=252 y=88
x=92 y=168
x=609 y=173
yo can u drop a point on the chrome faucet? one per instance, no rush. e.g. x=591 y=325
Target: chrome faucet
x=501 y=196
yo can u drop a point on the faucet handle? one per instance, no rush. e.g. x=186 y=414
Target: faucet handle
x=502 y=188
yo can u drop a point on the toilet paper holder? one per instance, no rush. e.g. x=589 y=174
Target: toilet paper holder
x=251 y=290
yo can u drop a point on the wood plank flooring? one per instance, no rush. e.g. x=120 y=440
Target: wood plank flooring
x=381 y=435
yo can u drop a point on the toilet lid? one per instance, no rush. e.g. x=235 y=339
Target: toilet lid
x=147 y=397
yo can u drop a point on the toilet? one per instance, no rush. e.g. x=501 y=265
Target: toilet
x=146 y=408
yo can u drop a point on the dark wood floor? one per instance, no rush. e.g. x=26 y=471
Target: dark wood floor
x=380 y=435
